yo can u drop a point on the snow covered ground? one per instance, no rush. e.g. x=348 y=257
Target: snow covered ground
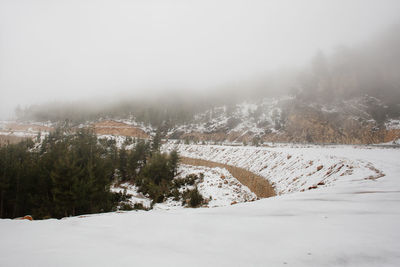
x=288 y=168
x=351 y=220
x=220 y=185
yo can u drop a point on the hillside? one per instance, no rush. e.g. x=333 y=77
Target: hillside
x=362 y=120
x=357 y=120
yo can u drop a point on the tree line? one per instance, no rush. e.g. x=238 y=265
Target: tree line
x=69 y=174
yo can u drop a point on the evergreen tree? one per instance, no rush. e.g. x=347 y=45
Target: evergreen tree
x=70 y=174
x=65 y=177
x=123 y=164
x=173 y=163
x=156 y=141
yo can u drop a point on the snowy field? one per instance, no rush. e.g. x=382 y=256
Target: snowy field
x=345 y=213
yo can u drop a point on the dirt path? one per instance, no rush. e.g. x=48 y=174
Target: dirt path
x=257 y=184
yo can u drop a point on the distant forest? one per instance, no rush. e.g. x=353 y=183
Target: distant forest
x=372 y=68
x=165 y=112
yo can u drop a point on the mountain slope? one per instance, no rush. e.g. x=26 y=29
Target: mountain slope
x=363 y=120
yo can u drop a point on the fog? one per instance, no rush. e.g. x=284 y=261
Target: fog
x=79 y=49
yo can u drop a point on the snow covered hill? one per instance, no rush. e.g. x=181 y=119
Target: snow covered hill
x=359 y=120
x=288 y=168
x=350 y=221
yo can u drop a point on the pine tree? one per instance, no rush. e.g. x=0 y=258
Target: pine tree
x=156 y=141
x=173 y=163
x=123 y=164
x=64 y=176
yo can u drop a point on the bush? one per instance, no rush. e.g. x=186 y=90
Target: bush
x=126 y=206
x=256 y=141
x=188 y=180
x=192 y=198
x=175 y=194
x=196 y=199
x=139 y=206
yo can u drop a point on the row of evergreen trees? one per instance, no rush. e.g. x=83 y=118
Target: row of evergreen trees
x=69 y=174
x=149 y=169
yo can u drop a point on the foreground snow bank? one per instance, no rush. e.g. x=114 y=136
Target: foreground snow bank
x=353 y=222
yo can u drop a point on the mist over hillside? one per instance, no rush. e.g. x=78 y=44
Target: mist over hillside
x=212 y=50
x=365 y=77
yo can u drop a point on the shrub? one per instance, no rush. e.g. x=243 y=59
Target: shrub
x=175 y=194
x=196 y=199
x=192 y=198
x=139 y=206
x=126 y=206
x=190 y=179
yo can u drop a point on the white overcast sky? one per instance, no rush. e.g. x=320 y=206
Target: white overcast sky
x=65 y=50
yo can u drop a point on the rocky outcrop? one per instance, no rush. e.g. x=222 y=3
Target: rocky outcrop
x=305 y=124
x=312 y=126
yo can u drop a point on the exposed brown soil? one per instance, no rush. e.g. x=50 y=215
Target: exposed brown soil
x=378 y=173
x=118 y=128
x=257 y=184
x=27 y=127
x=391 y=135
x=10 y=139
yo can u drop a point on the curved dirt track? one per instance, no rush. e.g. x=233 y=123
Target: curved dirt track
x=256 y=183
